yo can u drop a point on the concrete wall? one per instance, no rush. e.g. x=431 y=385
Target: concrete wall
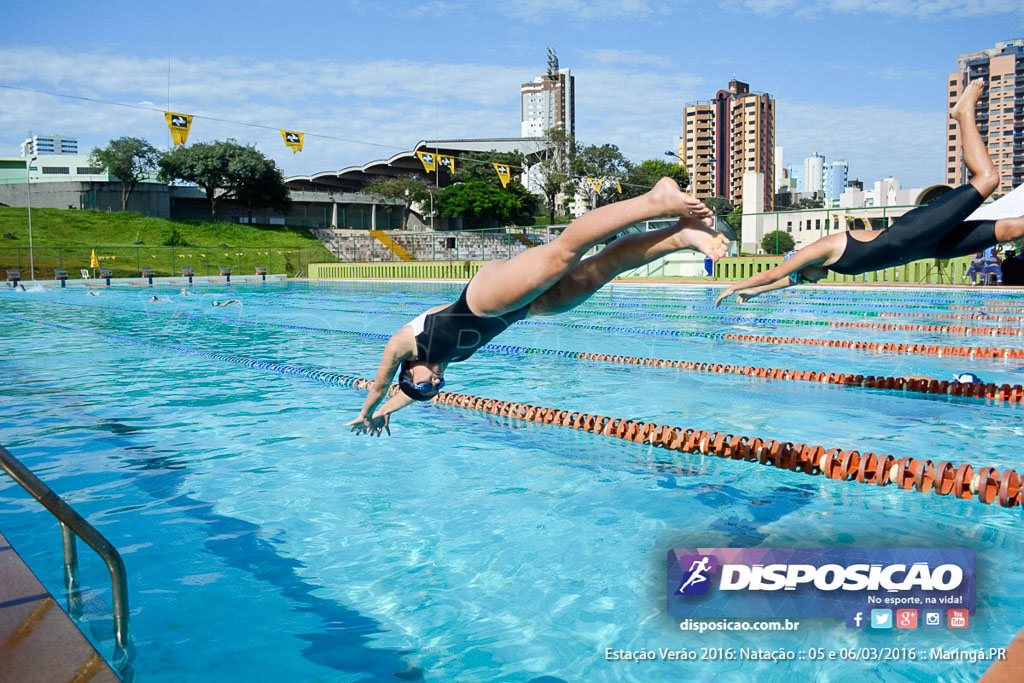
x=309 y=209
x=149 y=199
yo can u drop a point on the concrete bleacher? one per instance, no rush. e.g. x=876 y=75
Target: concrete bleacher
x=358 y=246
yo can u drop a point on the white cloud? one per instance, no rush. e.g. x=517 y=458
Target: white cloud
x=921 y=9
x=876 y=141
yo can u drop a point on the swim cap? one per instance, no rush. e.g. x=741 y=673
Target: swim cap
x=966 y=378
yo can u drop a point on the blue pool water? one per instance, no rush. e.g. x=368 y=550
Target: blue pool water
x=264 y=541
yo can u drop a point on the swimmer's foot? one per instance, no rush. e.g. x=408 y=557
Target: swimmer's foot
x=698 y=235
x=669 y=200
x=968 y=100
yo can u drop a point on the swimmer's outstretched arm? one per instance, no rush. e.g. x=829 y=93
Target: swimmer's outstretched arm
x=745 y=295
x=371 y=420
x=821 y=251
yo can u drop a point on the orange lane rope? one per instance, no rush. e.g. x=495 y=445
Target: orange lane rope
x=956 y=316
x=992 y=306
x=922 y=349
x=985 y=484
x=1012 y=394
x=948 y=329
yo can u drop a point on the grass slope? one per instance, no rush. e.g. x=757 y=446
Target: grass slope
x=128 y=241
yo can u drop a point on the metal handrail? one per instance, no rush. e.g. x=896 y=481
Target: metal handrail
x=72 y=524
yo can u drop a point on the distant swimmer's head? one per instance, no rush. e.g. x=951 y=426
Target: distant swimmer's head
x=810 y=273
x=420 y=381
x=966 y=378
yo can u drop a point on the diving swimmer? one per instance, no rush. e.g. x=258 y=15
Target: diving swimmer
x=544 y=280
x=939 y=230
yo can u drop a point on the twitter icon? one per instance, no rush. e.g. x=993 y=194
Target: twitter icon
x=881 y=618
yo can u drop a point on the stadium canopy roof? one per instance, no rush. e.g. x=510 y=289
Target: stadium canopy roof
x=405 y=164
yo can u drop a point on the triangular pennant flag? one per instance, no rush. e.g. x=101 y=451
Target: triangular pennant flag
x=179 y=125
x=447 y=162
x=618 y=187
x=293 y=139
x=428 y=161
x=503 y=174
x=596 y=183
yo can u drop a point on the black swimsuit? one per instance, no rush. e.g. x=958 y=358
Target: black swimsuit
x=454 y=333
x=939 y=230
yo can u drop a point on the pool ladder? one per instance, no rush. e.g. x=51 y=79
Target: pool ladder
x=71 y=525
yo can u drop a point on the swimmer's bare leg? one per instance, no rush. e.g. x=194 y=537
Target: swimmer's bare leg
x=985 y=178
x=502 y=286
x=625 y=253
x=1009 y=229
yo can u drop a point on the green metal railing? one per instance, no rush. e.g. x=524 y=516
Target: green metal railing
x=929 y=271
x=454 y=270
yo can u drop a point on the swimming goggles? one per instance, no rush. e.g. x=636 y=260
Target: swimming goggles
x=419 y=391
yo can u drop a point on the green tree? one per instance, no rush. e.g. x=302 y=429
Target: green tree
x=409 y=191
x=720 y=206
x=605 y=163
x=228 y=170
x=553 y=171
x=479 y=199
x=777 y=242
x=808 y=203
x=480 y=166
x=130 y=160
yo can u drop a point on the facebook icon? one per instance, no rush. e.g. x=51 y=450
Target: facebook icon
x=855 y=619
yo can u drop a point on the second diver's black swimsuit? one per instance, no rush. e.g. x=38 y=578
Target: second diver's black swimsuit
x=939 y=230
x=454 y=333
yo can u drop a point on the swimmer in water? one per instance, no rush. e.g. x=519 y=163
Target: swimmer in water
x=545 y=280
x=939 y=230
x=229 y=302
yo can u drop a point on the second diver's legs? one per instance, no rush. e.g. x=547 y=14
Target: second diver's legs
x=626 y=252
x=985 y=178
x=503 y=286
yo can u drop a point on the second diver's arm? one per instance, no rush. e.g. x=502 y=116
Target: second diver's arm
x=744 y=295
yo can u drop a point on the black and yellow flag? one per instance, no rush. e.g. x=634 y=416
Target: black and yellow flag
x=503 y=174
x=179 y=125
x=428 y=161
x=447 y=162
x=596 y=183
x=293 y=139
x=618 y=187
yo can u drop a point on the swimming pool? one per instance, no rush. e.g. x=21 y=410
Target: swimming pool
x=262 y=540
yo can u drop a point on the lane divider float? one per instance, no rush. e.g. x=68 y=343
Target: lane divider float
x=964 y=481
x=1005 y=392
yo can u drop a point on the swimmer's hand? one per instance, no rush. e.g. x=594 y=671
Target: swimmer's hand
x=363 y=425
x=726 y=293
x=744 y=297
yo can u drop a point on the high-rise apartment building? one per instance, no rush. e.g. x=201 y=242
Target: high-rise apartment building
x=1000 y=112
x=834 y=181
x=549 y=101
x=49 y=144
x=726 y=137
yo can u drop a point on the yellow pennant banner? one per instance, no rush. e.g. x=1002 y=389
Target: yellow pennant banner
x=179 y=125
x=447 y=162
x=503 y=174
x=428 y=161
x=618 y=187
x=596 y=183
x=293 y=139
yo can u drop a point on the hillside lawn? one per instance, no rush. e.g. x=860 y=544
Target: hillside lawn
x=126 y=242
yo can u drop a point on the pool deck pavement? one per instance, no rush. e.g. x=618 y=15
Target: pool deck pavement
x=38 y=640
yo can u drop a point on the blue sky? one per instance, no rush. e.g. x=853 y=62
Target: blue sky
x=861 y=81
